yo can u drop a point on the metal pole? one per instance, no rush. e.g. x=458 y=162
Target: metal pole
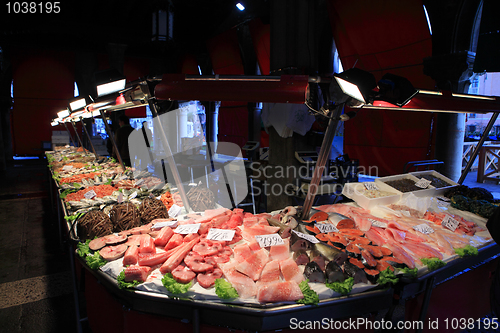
x=112 y=138
x=69 y=133
x=77 y=136
x=168 y=151
x=322 y=157
x=478 y=147
x=88 y=137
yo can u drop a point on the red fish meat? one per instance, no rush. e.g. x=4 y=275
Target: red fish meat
x=254 y=264
x=152 y=259
x=207 y=279
x=147 y=245
x=291 y=271
x=176 y=257
x=164 y=236
x=196 y=262
x=280 y=252
x=131 y=256
x=183 y=274
x=111 y=253
x=174 y=241
x=136 y=273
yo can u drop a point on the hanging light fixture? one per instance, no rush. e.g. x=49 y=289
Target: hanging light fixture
x=63 y=114
x=353 y=83
x=77 y=103
x=109 y=81
x=395 y=89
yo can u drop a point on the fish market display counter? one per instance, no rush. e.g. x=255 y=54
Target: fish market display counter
x=112 y=309
x=107 y=304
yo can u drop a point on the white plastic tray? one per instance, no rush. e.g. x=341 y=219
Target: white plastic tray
x=428 y=192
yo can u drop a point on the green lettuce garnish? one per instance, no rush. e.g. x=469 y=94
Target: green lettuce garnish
x=95 y=261
x=225 y=290
x=82 y=249
x=66 y=192
x=468 y=250
x=343 y=288
x=432 y=263
x=122 y=284
x=310 y=296
x=408 y=272
x=387 y=276
x=77 y=185
x=173 y=286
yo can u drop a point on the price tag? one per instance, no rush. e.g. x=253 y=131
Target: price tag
x=159 y=225
x=379 y=224
x=119 y=199
x=423 y=228
x=90 y=194
x=443 y=198
x=67 y=167
x=371 y=186
x=269 y=240
x=187 y=228
x=307 y=237
x=450 y=223
x=221 y=234
x=139 y=182
x=443 y=202
x=326 y=227
x=174 y=210
x=423 y=183
x=132 y=196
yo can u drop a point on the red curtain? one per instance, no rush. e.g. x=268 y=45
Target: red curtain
x=134 y=69
x=388 y=36
x=43 y=84
x=261 y=39
x=226 y=59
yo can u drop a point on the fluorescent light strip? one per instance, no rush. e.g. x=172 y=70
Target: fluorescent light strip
x=240 y=6
x=430 y=92
x=78 y=104
x=111 y=87
x=350 y=89
x=474 y=96
x=63 y=114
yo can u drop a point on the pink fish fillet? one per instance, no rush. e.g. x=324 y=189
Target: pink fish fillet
x=242 y=252
x=376 y=235
x=280 y=252
x=279 y=292
x=147 y=245
x=401 y=254
x=290 y=271
x=164 y=236
x=131 y=256
x=422 y=250
x=398 y=235
x=361 y=221
x=253 y=265
x=137 y=273
x=176 y=257
x=270 y=273
x=244 y=285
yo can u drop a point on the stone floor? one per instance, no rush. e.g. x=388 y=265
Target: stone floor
x=36 y=292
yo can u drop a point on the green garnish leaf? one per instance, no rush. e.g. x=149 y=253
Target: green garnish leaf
x=408 y=272
x=122 y=284
x=343 y=288
x=77 y=185
x=108 y=182
x=432 y=263
x=468 y=250
x=173 y=286
x=310 y=296
x=387 y=276
x=95 y=261
x=83 y=248
x=225 y=290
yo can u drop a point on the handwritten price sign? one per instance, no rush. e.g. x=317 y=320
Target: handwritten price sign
x=220 y=234
x=187 y=229
x=423 y=228
x=450 y=223
x=174 y=210
x=326 y=228
x=269 y=240
x=371 y=186
x=423 y=183
x=90 y=194
x=309 y=238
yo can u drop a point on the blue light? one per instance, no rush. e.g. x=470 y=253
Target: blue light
x=428 y=20
x=240 y=6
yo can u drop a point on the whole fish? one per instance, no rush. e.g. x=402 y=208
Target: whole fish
x=334 y=272
x=285 y=230
x=330 y=253
x=313 y=272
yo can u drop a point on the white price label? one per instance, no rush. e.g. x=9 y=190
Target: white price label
x=443 y=198
x=221 y=234
x=307 y=237
x=423 y=183
x=67 y=167
x=378 y=223
x=159 y=225
x=371 y=186
x=423 y=228
x=187 y=228
x=326 y=228
x=174 y=210
x=443 y=202
x=90 y=194
x=139 y=182
x=119 y=199
x=269 y=240
x=450 y=223
x=132 y=196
